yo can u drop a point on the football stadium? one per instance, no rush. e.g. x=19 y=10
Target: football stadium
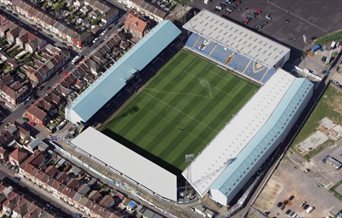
x=182 y=109
x=210 y=116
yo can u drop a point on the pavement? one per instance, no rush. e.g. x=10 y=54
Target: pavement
x=295 y=182
x=311 y=18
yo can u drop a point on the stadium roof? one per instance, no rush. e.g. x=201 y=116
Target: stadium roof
x=114 y=79
x=128 y=162
x=228 y=145
x=264 y=141
x=237 y=38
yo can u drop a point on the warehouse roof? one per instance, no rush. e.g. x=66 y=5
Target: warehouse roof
x=224 y=149
x=128 y=162
x=237 y=38
x=114 y=79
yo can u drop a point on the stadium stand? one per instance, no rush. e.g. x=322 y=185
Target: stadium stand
x=241 y=51
x=115 y=77
x=237 y=152
x=238 y=62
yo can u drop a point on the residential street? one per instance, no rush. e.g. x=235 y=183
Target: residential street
x=50 y=203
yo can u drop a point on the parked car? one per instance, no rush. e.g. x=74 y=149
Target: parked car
x=218 y=8
x=246 y=20
x=302 y=203
x=306 y=206
x=268 y=17
x=310 y=209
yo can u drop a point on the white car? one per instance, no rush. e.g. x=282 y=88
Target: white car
x=268 y=17
x=218 y=8
x=95 y=40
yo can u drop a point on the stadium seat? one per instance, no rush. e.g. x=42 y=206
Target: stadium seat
x=238 y=62
x=191 y=40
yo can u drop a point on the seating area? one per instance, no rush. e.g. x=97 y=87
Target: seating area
x=253 y=71
x=237 y=62
x=192 y=39
x=220 y=54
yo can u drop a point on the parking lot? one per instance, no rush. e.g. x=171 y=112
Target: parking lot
x=326 y=170
x=290 y=20
x=290 y=180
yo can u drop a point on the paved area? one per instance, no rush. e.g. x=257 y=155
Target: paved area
x=338 y=189
x=312 y=142
x=295 y=182
x=269 y=195
x=326 y=170
x=309 y=17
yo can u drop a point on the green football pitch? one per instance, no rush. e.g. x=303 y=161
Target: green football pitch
x=182 y=108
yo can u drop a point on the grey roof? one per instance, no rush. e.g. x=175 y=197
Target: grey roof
x=128 y=162
x=237 y=38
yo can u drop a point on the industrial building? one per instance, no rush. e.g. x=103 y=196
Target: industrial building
x=114 y=79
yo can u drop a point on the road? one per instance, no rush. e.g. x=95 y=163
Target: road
x=42 y=198
x=20 y=109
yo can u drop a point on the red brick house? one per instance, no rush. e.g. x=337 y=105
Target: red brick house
x=36 y=115
x=136 y=26
x=17 y=157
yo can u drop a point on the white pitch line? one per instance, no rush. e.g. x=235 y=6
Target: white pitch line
x=176 y=93
x=198 y=121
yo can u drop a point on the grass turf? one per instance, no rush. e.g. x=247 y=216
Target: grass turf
x=181 y=110
x=328 y=106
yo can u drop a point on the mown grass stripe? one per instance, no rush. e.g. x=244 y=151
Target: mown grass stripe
x=195 y=110
x=239 y=101
x=147 y=105
x=150 y=126
x=155 y=125
x=207 y=110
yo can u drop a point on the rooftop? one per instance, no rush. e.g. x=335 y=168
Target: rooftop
x=233 y=138
x=128 y=162
x=237 y=38
x=114 y=79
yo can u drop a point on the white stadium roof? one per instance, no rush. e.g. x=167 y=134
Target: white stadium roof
x=237 y=38
x=233 y=138
x=128 y=162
